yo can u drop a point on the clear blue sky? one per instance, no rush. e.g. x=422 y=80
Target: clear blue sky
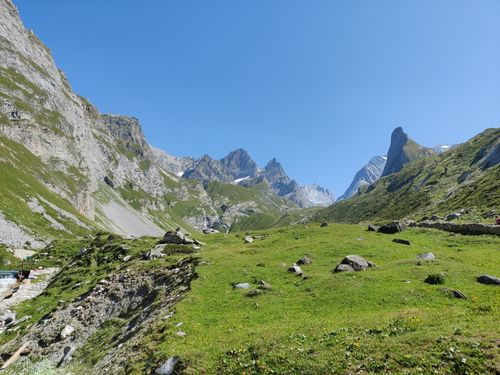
x=317 y=84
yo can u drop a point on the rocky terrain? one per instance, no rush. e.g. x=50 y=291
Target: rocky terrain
x=366 y=176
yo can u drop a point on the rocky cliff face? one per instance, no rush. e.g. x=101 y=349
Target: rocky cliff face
x=240 y=165
x=367 y=175
x=403 y=151
x=317 y=195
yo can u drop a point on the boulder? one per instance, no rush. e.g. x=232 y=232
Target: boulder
x=401 y=241
x=263 y=285
x=169 y=367
x=295 y=270
x=488 y=280
x=453 y=216
x=323 y=224
x=241 y=286
x=393 y=227
x=435 y=279
x=126 y=258
x=210 y=231
x=354 y=262
x=373 y=228
x=426 y=256
x=343 y=268
x=304 y=260
x=176 y=237
x=66 y=332
x=248 y=239
x=453 y=293
x=155 y=253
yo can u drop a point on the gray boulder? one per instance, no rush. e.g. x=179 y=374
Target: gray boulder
x=176 y=237
x=453 y=216
x=354 y=262
x=453 y=293
x=304 y=260
x=210 y=231
x=155 y=253
x=372 y=228
x=295 y=270
x=426 y=256
x=168 y=367
x=241 y=286
x=248 y=239
x=488 y=280
x=393 y=227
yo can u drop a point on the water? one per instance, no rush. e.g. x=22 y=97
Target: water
x=5 y=283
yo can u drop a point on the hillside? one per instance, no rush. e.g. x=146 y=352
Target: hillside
x=384 y=319
x=466 y=177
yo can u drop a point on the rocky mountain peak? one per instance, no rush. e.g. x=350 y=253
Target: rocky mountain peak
x=239 y=164
x=367 y=175
x=402 y=151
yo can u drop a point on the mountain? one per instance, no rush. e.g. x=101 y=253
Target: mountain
x=68 y=169
x=367 y=175
x=402 y=151
x=240 y=165
x=317 y=195
x=465 y=177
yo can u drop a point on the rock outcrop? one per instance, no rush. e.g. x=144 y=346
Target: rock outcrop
x=366 y=176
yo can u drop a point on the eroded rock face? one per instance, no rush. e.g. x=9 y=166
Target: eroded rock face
x=129 y=293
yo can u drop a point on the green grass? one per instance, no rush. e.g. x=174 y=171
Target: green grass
x=384 y=319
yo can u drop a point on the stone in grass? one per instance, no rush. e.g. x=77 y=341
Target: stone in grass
x=488 y=280
x=241 y=286
x=426 y=256
x=254 y=293
x=304 y=260
x=323 y=224
x=248 y=239
x=435 y=279
x=373 y=228
x=353 y=263
x=263 y=285
x=169 y=367
x=295 y=270
x=453 y=293
x=401 y=241
x=66 y=332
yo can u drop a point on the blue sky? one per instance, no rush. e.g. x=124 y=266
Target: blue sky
x=317 y=84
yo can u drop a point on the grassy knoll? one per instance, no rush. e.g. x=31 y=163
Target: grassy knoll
x=380 y=320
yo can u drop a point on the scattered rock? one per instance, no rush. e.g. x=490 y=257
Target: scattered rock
x=155 y=253
x=453 y=293
x=196 y=247
x=453 y=216
x=344 y=268
x=254 y=293
x=488 y=280
x=248 y=239
x=373 y=228
x=354 y=262
x=295 y=269
x=426 y=256
x=263 y=285
x=304 y=260
x=210 y=231
x=168 y=367
x=180 y=333
x=323 y=224
x=435 y=279
x=401 y=241
x=176 y=237
x=391 y=228
x=66 y=332
x=241 y=286
x=126 y=258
